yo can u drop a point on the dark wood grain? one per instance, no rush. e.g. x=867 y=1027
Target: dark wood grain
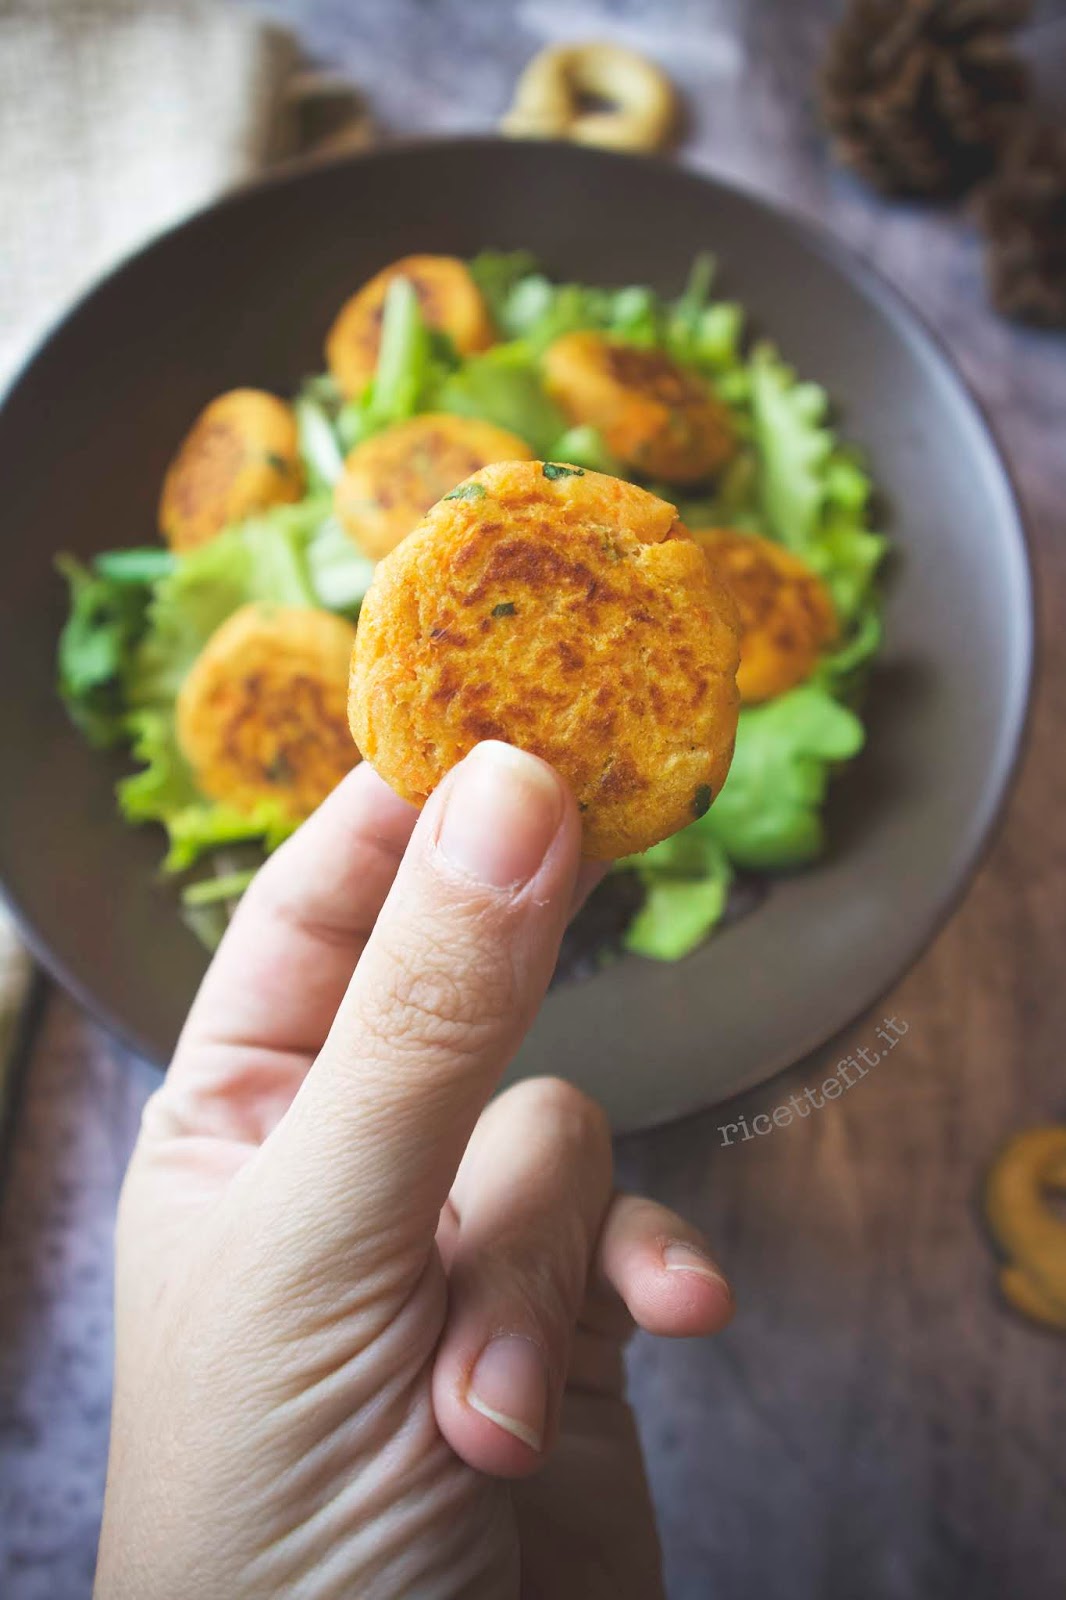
x=875 y=1423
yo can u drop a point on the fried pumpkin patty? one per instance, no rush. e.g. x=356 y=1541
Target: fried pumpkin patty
x=261 y=714
x=653 y=414
x=391 y=479
x=449 y=298
x=240 y=456
x=566 y=612
x=787 y=616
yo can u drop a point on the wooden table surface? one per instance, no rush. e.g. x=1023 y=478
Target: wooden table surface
x=875 y=1422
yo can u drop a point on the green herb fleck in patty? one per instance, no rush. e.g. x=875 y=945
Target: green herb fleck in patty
x=467 y=491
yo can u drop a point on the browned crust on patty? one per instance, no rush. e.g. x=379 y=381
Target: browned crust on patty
x=261 y=714
x=571 y=615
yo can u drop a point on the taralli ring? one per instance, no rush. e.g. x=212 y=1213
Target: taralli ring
x=1030 y=1236
x=639 y=109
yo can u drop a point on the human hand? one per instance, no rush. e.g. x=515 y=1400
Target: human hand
x=369 y=1329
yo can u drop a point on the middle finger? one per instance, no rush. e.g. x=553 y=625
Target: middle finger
x=530 y=1197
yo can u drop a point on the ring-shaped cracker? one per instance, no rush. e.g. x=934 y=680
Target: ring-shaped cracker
x=639 y=104
x=1031 y=1165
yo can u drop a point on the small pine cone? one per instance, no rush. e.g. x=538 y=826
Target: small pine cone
x=918 y=95
x=1023 y=212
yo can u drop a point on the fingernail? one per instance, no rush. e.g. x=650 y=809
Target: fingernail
x=685 y=1258
x=501 y=814
x=509 y=1385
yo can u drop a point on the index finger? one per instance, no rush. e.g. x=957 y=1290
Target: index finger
x=286 y=959
x=458 y=962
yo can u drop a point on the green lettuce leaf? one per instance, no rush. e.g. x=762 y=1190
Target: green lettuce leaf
x=261 y=559
x=413 y=360
x=703 y=333
x=677 y=915
x=404 y=356
x=584 y=447
x=496 y=272
x=109 y=602
x=537 y=311
x=814 y=495
x=686 y=883
x=139 y=618
x=320 y=450
x=794 y=447
x=267 y=559
x=164 y=791
x=840 y=671
x=527 y=306
x=768 y=815
x=503 y=385
x=339 y=572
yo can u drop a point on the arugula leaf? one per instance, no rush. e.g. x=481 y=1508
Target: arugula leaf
x=768 y=815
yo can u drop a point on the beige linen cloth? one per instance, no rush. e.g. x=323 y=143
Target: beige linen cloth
x=117 y=117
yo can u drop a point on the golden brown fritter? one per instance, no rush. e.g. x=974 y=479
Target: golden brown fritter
x=786 y=613
x=240 y=456
x=391 y=479
x=568 y=613
x=654 y=415
x=261 y=714
x=449 y=298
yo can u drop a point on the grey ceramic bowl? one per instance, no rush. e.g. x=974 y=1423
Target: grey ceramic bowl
x=242 y=294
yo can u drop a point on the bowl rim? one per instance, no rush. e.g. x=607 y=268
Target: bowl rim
x=907 y=320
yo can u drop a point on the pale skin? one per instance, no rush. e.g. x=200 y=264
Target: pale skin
x=370 y=1325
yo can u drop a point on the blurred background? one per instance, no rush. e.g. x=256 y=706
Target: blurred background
x=876 y=1421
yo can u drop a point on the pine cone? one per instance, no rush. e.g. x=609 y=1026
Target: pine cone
x=1023 y=211
x=918 y=94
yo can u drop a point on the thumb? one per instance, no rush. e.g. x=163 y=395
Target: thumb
x=449 y=982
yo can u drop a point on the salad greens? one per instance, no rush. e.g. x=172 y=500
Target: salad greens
x=130 y=641
x=138 y=618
